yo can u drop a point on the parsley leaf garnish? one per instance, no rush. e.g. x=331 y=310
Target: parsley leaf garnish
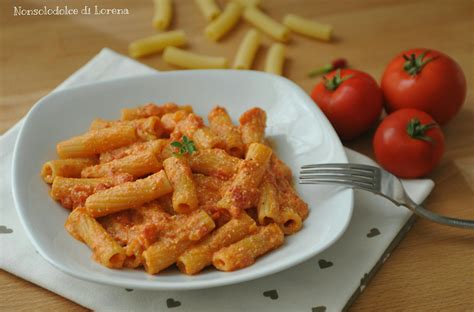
x=183 y=147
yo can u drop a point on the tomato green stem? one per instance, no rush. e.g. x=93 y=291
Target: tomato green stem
x=413 y=65
x=336 y=64
x=325 y=69
x=416 y=130
x=336 y=81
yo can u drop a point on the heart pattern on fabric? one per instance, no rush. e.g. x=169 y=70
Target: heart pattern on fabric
x=373 y=232
x=323 y=264
x=171 y=303
x=5 y=230
x=319 y=309
x=272 y=294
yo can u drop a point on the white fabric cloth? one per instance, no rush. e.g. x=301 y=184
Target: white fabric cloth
x=323 y=283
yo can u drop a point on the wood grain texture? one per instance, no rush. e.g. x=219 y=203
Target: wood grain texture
x=433 y=268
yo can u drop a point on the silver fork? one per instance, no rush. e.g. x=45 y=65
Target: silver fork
x=375 y=180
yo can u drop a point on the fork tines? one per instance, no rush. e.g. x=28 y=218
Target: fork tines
x=356 y=175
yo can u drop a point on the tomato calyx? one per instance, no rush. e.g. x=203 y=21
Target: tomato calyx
x=333 y=83
x=413 y=65
x=416 y=130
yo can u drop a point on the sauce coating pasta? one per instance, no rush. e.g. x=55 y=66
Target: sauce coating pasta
x=160 y=187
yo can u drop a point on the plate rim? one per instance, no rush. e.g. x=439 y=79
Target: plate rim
x=167 y=285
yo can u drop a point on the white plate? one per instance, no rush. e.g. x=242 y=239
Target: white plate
x=300 y=133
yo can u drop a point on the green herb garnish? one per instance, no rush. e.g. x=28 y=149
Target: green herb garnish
x=186 y=146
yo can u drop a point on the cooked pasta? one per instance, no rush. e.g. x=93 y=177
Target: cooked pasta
x=308 y=27
x=289 y=221
x=214 y=162
x=221 y=123
x=199 y=256
x=268 y=206
x=252 y=125
x=184 y=191
x=244 y=252
x=186 y=59
x=105 y=249
x=97 y=141
x=128 y=195
x=153 y=146
x=73 y=192
x=68 y=168
x=149 y=110
x=166 y=251
x=138 y=165
x=158 y=187
x=244 y=189
x=147 y=128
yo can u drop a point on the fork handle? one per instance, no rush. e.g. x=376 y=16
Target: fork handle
x=422 y=212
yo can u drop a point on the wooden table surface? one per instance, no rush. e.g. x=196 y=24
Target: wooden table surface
x=433 y=267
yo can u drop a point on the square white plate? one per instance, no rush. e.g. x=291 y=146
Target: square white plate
x=298 y=129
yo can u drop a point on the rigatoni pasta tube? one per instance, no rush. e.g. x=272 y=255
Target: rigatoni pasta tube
x=128 y=195
x=247 y=50
x=166 y=251
x=205 y=138
x=275 y=59
x=191 y=60
x=220 y=123
x=209 y=9
x=170 y=120
x=148 y=110
x=280 y=169
x=244 y=252
x=224 y=22
x=199 y=256
x=308 y=27
x=252 y=125
x=96 y=141
x=259 y=153
x=162 y=14
x=266 y=24
x=156 y=43
x=154 y=220
x=214 y=162
x=289 y=197
x=68 y=168
x=247 y=3
x=62 y=186
x=187 y=126
x=147 y=128
x=268 y=207
x=71 y=191
x=153 y=146
x=245 y=187
x=138 y=165
x=184 y=195
x=289 y=221
x=105 y=249
x=209 y=191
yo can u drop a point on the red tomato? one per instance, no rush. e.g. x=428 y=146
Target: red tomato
x=427 y=80
x=351 y=100
x=408 y=143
